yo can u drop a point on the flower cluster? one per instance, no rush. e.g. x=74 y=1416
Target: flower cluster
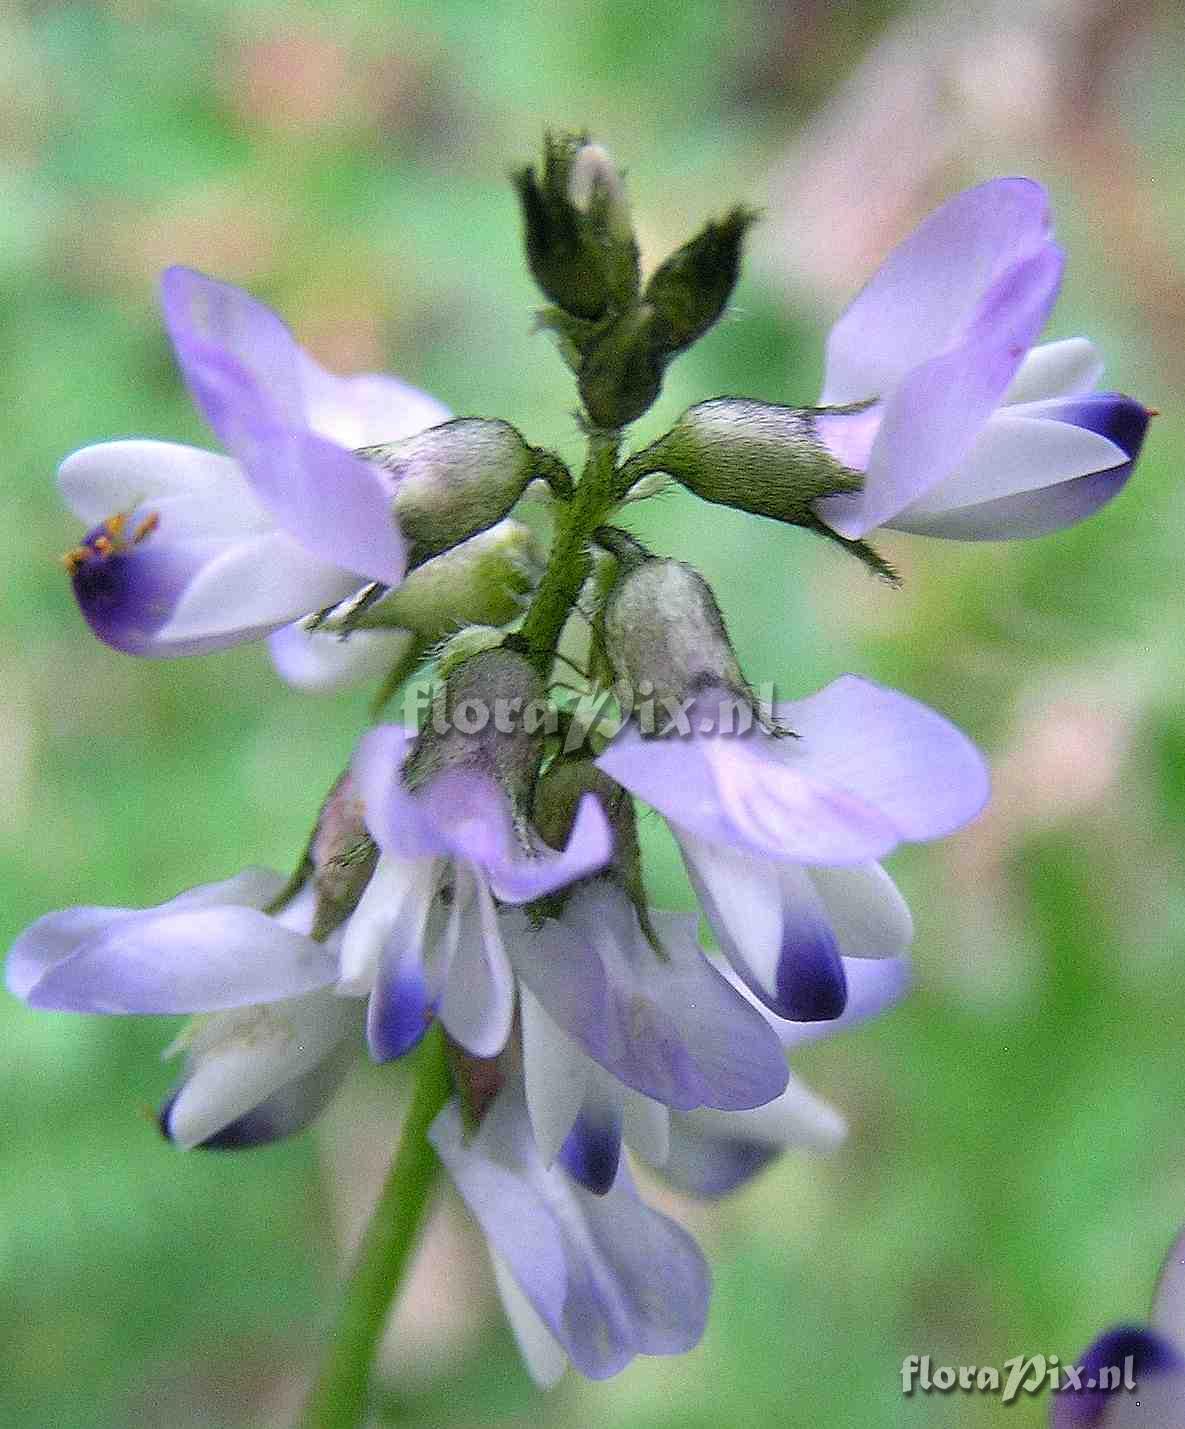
x=483 y=876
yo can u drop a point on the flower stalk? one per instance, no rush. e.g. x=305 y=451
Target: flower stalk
x=339 y=1396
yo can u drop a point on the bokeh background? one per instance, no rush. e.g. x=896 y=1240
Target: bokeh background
x=1017 y=1160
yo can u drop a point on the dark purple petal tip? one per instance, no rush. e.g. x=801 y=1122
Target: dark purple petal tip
x=1120 y=419
x=811 y=983
x=1101 y=1373
x=399 y=1013
x=255 y=1128
x=125 y=583
x=591 y=1153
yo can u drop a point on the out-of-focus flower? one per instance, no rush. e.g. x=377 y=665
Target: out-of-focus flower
x=1133 y=1375
x=780 y=833
x=190 y=551
x=590 y=1279
x=266 y=1051
x=959 y=429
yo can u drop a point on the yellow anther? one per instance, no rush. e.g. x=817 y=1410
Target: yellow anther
x=114 y=524
x=146 y=527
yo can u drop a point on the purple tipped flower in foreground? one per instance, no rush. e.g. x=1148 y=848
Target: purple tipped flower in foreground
x=189 y=551
x=1133 y=1375
x=968 y=433
x=780 y=833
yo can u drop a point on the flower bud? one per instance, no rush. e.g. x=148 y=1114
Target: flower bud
x=665 y=636
x=341 y=857
x=483 y=581
x=452 y=481
x=488 y=717
x=621 y=374
x=756 y=456
x=580 y=245
x=692 y=288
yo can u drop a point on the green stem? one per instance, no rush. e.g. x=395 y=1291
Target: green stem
x=339 y=1396
x=569 y=563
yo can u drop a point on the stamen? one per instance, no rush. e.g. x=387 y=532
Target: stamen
x=146 y=527
x=110 y=539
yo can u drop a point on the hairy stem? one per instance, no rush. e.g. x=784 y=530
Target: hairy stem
x=339 y=1396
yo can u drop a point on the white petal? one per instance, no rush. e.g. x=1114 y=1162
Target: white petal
x=868 y=915
x=256 y=584
x=320 y=662
x=365 y=410
x=395 y=901
x=740 y=896
x=797 y=1118
x=1168 y=1307
x=541 y=1351
x=646 y=1127
x=1012 y=453
x=477 y=1006
x=99 y=480
x=1069 y=368
x=238 y=1059
x=556 y=1073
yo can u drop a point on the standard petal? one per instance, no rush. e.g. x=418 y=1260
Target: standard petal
x=337 y=506
x=321 y=662
x=1069 y=368
x=198 y=960
x=908 y=762
x=57 y=936
x=367 y=409
x=239 y=1059
x=932 y=417
x=738 y=791
x=517 y=875
x=217 y=328
x=246 y=590
x=400 y=822
x=928 y=290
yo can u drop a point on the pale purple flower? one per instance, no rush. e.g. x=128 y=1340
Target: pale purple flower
x=661 y=1023
x=190 y=551
x=969 y=433
x=268 y=1048
x=780 y=834
x=594 y=1280
x=424 y=940
x=1154 y=1354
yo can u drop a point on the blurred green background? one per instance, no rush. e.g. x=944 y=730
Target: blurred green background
x=1017 y=1160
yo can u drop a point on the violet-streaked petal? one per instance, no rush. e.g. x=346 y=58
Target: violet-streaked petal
x=191 y=961
x=932 y=417
x=928 y=290
x=322 y=662
x=337 y=506
x=246 y=589
x=364 y=410
x=100 y=480
x=1069 y=368
x=477 y=1002
x=736 y=790
x=238 y=1059
x=518 y=876
x=541 y=1351
x=215 y=326
x=906 y=760
x=1150 y=1356
x=866 y=911
x=290 y=1109
x=57 y=936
